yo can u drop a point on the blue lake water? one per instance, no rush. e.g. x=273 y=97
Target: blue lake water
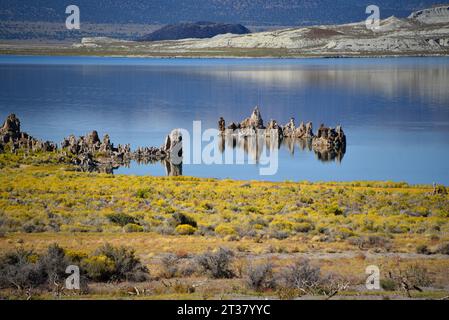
x=395 y=111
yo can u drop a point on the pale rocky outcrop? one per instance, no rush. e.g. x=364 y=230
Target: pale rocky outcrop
x=255 y=121
x=434 y=15
x=289 y=129
x=10 y=134
x=303 y=131
x=91 y=143
x=173 y=142
x=11 y=126
x=173 y=150
x=328 y=141
x=308 y=133
x=91 y=153
x=273 y=129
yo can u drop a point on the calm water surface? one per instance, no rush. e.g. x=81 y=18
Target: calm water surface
x=395 y=112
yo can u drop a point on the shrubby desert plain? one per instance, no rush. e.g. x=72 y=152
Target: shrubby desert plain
x=194 y=238
x=185 y=237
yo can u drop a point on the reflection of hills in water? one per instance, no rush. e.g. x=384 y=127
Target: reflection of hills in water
x=426 y=81
x=254 y=147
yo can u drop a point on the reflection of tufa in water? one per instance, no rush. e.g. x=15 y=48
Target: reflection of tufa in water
x=329 y=143
x=253 y=146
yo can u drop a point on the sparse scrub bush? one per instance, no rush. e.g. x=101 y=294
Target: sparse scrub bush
x=301 y=276
x=206 y=230
x=98 y=267
x=225 y=230
x=398 y=228
x=260 y=277
x=186 y=267
x=169 y=264
x=132 y=227
x=175 y=265
x=126 y=265
x=279 y=235
x=387 y=284
x=120 y=218
x=181 y=219
x=175 y=286
x=443 y=249
x=53 y=264
x=334 y=210
x=183 y=288
x=287 y=293
x=142 y=193
x=251 y=209
x=165 y=229
x=344 y=233
x=332 y=284
x=33 y=226
x=23 y=269
x=258 y=221
x=217 y=264
x=417 y=275
x=423 y=249
x=281 y=225
x=306 y=200
x=75 y=256
x=303 y=227
x=373 y=241
x=412 y=277
x=18 y=269
x=240 y=266
x=207 y=206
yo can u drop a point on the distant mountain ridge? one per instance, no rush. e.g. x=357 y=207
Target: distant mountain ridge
x=247 y=12
x=432 y=15
x=199 y=30
x=424 y=32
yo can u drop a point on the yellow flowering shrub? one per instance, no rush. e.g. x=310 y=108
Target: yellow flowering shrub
x=185 y=229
